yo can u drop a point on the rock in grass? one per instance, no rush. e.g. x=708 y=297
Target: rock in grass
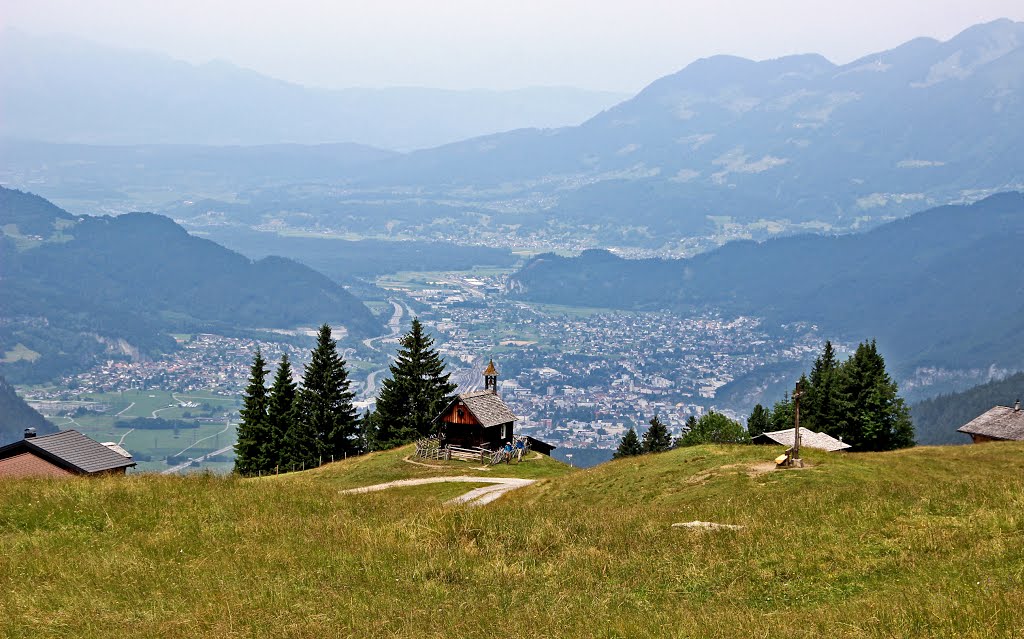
x=708 y=525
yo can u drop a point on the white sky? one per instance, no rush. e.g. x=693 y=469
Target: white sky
x=498 y=44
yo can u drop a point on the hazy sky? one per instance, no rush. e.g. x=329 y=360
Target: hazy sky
x=620 y=45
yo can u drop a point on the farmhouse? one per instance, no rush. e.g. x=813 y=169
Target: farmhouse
x=1000 y=423
x=62 y=454
x=808 y=439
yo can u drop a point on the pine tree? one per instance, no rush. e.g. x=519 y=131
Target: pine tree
x=326 y=424
x=252 y=429
x=716 y=428
x=629 y=445
x=759 y=421
x=877 y=418
x=416 y=392
x=280 y=415
x=657 y=439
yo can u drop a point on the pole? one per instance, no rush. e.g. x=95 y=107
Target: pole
x=796 y=427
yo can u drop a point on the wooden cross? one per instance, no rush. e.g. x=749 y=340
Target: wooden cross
x=797 y=393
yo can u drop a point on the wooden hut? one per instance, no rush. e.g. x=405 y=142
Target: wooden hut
x=1000 y=423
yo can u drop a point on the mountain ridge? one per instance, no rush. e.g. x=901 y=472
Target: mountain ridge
x=140 y=276
x=940 y=264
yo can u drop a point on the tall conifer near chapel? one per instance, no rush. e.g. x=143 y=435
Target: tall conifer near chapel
x=418 y=389
x=326 y=423
x=252 y=431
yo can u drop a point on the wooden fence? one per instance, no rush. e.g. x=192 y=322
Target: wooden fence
x=431 y=449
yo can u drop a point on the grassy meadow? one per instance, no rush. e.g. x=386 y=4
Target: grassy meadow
x=923 y=542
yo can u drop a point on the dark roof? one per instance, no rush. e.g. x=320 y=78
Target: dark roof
x=1001 y=422
x=485 y=406
x=808 y=439
x=73 y=450
x=539 y=446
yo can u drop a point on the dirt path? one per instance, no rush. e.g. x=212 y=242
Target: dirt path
x=476 y=497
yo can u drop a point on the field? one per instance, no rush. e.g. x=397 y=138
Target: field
x=918 y=543
x=158 y=444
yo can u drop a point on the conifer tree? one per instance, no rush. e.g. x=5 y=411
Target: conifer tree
x=691 y=423
x=824 y=406
x=252 y=429
x=629 y=445
x=782 y=414
x=716 y=428
x=326 y=423
x=657 y=439
x=281 y=412
x=759 y=421
x=418 y=389
x=877 y=418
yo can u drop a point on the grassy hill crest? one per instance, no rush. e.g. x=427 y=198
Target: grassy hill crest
x=920 y=542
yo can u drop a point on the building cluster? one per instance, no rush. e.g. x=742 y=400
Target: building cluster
x=204 y=362
x=581 y=379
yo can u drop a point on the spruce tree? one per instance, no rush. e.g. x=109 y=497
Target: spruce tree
x=416 y=392
x=716 y=428
x=824 y=406
x=877 y=418
x=691 y=423
x=759 y=421
x=629 y=445
x=280 y=415
x=326 y=423
x=657 y=439
x=253 y=427
x=782 y=414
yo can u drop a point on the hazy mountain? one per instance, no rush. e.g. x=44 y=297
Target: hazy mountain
x=62 y=89
x=86 y=286
x=795 y=138
x=941 y=288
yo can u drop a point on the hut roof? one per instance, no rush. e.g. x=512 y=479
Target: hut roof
x=73 y=450
x=485 y=406
x=1000 y=422
x=808 y=439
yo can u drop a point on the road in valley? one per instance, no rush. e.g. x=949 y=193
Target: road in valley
x=182 y=466
x=394 y=328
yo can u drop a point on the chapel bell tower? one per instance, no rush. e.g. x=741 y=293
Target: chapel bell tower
x=491 y=378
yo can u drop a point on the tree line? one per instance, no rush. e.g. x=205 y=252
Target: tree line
x=291 y=427
x=855 y=401
x=711 y=428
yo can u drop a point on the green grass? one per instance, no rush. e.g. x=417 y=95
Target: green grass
x=919 y=543
x=156 y=443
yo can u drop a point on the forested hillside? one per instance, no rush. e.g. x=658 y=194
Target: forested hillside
x=941 y=287
x=937 y=419
x=124 y=282
x=16 y=416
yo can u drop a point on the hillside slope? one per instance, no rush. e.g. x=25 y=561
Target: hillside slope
x=16 y=416
x=136 y=277
x=939 y=288
x=923 y=542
